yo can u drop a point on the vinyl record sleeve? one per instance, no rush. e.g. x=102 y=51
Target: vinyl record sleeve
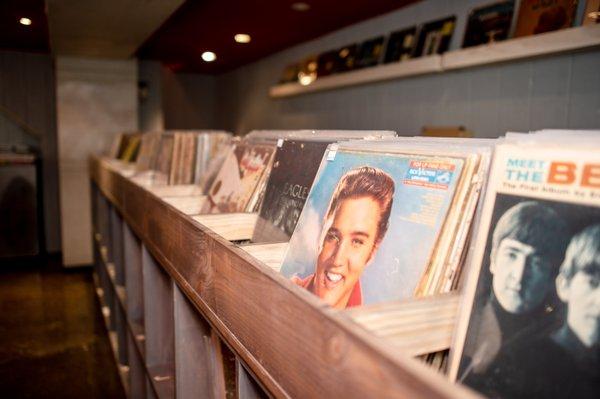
x=239 y=176
x=434 y=37
x=530 y=324
x=148 y=151
x=294 y=169
x=130 y=152
x=208 y=145
x=165 y=155
x=346 y=58
x=591 y=14
x=327 y=63
x=369 y=52
x=423 y=189
x=488 y=24
x=536 y=16
x=115 y=147
x=401 y=45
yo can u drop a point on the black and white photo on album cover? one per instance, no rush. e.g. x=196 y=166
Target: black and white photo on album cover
x=534 y=329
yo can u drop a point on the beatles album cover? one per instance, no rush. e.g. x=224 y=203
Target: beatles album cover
x=369 y=52
x=539 y=16
x=434 y=37
x=241 y=172
x=530 y=324
x=488 y=24
x=400 y=45
x=294 y=169
x=369 y=225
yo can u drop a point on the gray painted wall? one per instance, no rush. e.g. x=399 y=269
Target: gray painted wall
x=560 y=91
x=96 y=99
x=27 y=92
x=176 y=101
x=188 y=101
x=150 y=113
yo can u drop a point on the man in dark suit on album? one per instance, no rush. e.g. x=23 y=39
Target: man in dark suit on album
x=566 y=362
x=527 y=247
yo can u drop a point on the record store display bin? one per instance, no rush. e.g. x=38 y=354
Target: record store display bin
x=191 y=314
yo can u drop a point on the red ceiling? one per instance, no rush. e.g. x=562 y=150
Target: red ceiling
x=201 y=25
x=14 y=36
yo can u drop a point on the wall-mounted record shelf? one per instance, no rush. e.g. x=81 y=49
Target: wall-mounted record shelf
x=199 y=313
x=413 y=67
x=565 y=40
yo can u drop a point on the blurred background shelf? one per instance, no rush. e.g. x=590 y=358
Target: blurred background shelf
x=566 y=40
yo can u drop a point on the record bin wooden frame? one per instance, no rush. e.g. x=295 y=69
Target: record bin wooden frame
x=191 y=314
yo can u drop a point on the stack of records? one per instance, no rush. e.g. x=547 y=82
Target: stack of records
x=208 y=145
x=296 y=163
x=148 y=151
x=180 y=157
x=125 y=147
x=164 y=158
x=530 y=321
x=214 y=164
x=184 y=156
x=387 y=220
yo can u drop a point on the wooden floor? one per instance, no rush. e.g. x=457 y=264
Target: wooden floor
x=52 y=338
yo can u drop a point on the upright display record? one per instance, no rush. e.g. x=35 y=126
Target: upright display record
x=235 y=186
x=370 y=225
x=531 y=324
x=294 y=169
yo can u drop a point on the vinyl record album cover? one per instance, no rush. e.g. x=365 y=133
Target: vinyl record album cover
x=347 y=58
x=538 y=16
x=327 y=63
x=591 y=14
x=183 y=162
x=401 y=45
x=240 y=174
x=208 y=145
x=115 y=147
x=530 y=322
x=148 y=151
x=488 y=24
x=369 y=52
x=165 y=154
x=294 y=169
x=434 y=37
x=130 y=151
x=370 y=225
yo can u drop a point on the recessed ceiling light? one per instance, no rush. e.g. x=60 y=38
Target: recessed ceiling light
x=25 y=21
x=242 y=38
x=300 y=6
x=209 y=56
